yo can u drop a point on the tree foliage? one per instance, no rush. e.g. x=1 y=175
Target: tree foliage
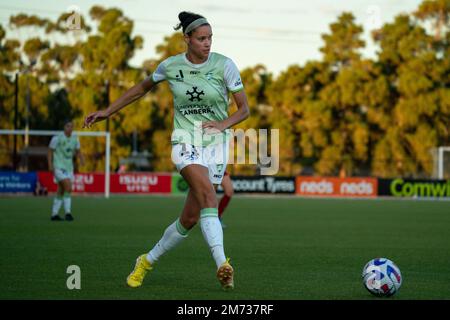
x=342 y=114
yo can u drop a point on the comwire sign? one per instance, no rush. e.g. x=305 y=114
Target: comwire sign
x=414 y=188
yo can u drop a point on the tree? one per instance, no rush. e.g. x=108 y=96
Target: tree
x=161 y=116
x=342 y=113
x=342 y=141
x=101 y=65
x=299 y=114
x=9 y=62
x=256 y=81
x=342 y=44
x=438 y=13
x=419 y=112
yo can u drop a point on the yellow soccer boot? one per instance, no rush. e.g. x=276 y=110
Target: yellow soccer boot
x=141 y=268
x=225 y=275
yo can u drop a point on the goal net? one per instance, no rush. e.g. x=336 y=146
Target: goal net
x=26 y=151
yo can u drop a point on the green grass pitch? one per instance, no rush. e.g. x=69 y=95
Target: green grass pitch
x=281 y=248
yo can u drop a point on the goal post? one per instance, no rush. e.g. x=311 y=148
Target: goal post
x=443 y=164
x=105 y=134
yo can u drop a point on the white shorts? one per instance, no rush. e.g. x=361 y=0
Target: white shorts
x=214 y=157
x=61 y=174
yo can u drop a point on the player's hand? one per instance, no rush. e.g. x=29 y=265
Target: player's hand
x=212 y=127
x=95 y=117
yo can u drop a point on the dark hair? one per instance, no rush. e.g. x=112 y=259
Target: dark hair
x=186 y=18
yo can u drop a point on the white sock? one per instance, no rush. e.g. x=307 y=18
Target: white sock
x=67 y=203
x=213 y=234
x=172 y=237
x=57 y=202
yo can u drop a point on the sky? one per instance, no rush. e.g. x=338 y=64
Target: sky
x=273 y=33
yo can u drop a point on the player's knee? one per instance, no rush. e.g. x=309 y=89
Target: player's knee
x=229 y=192
x=209 y=199
x=205 y=195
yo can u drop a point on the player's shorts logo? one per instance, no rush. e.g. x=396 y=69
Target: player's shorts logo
x=191 y=154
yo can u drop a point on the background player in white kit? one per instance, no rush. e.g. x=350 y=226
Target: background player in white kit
x=62 y=150
x=200 y=82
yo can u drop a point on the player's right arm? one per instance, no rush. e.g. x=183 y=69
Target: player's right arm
x=51 y=149
x=131 y=95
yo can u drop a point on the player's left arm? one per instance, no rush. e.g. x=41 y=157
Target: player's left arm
x=233 y=83
x=242 y=113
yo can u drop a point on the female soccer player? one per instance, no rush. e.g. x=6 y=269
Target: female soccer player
x=61 y=151
x=200 y=81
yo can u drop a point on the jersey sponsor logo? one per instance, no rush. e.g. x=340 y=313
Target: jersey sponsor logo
x=194 y=72
x=238 y=83
x=218 y=176
x=67 y=149
x=180 y=76
x=203 y=110
x=209 y=75
x=195 y=109
x=195 y=95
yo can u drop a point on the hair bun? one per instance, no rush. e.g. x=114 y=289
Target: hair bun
x=186 y=18
x=183 y=15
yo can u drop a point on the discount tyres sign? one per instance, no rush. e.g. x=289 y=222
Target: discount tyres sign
x=262 y=184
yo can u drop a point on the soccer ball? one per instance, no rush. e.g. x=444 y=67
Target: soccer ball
x=381 y=277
